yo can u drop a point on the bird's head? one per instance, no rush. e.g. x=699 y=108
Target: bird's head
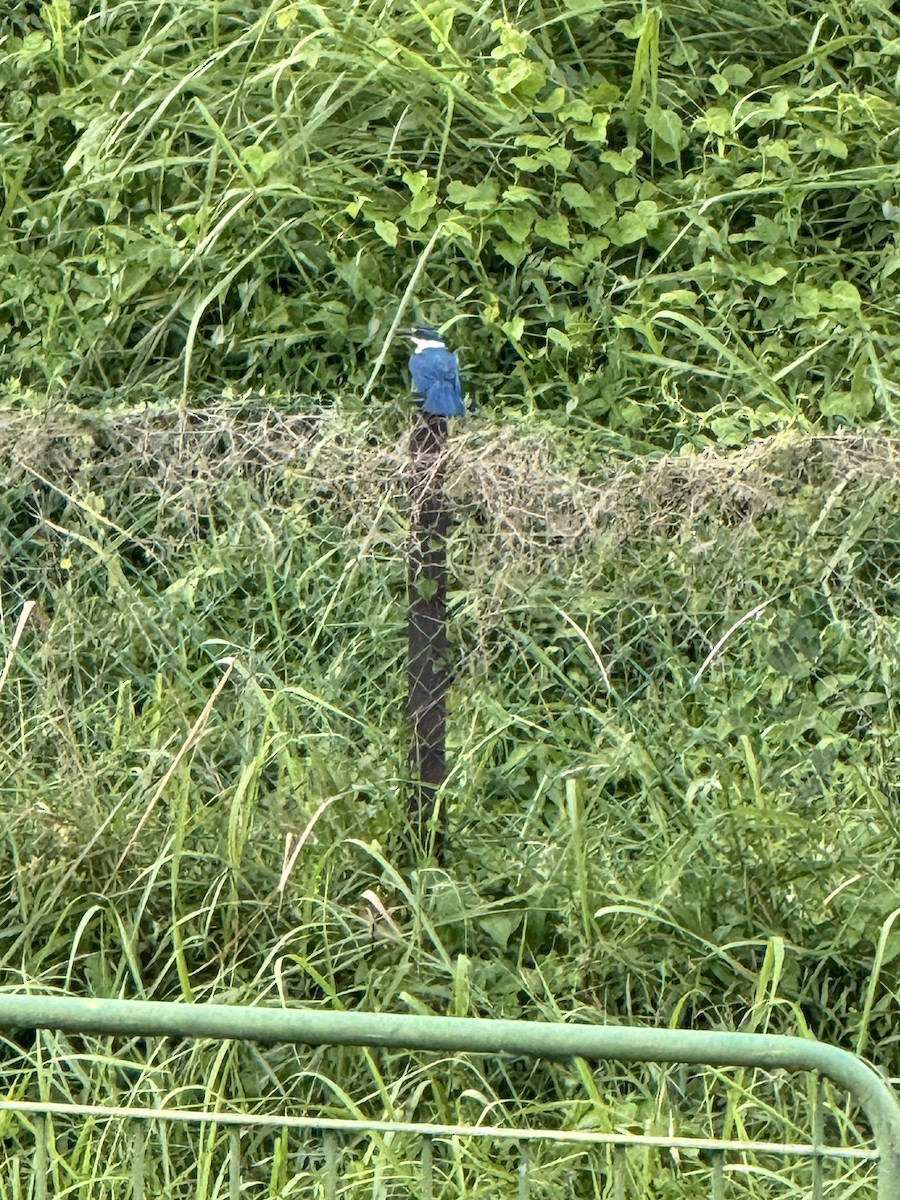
x=424 y=337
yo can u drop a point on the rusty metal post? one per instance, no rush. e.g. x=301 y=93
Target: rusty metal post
x=429 y=671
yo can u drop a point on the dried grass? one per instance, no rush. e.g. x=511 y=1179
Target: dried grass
x=529 y=505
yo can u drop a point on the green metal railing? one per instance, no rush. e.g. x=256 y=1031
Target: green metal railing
x=146 y=1019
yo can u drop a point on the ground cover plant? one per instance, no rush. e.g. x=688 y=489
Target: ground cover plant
x=664 y=238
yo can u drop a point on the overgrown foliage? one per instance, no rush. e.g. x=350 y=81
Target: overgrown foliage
x=673 y=736
x=672 y=739
x=666 y=217
x=662 y=673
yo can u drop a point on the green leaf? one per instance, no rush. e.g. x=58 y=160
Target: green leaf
x=846 y=406
x=427 y=588
x=667 y=125
x=626 y=189
x=777 y=148
x=517 y=193
x=584 y=8
x=555 y=156
x=480 y=198
x=590 y=250
x=521 y=75
x=512 y=40
x=627 y=413
x=354 y=208
x=416 y=181
x=500 y=928
x=33 y=47
x=729 y=431
x=626 y=229
x=633 y=225
x=595 y=131
x=558 y=157
x=559 y=337
x=513 y=252
x=678 y=298
x=576 y=196
x=516 y=223
x=553 y=102
x=569 y=269
x=422 y=188
x=597 y=207
x=843 y=294
x=777 y=108
x=737 y=74
x=644 y=328
x=717 y=120
x=387 y=231
x=534 y=141
x=631 y=27
x=554 y=229
x=259 y=161
x=808 y=300
x=769 y=231
x=622 y=161
x=829 y=144
x=766 y=273
x=578 y=111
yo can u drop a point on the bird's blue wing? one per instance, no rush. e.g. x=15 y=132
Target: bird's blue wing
x=422 y=370
x=436 y=376
x=444 y=400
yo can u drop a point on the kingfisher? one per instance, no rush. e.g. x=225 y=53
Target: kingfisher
x=435 y=372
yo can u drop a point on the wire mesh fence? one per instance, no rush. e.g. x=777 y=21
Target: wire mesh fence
x=119 y=1151
x=98 y=1118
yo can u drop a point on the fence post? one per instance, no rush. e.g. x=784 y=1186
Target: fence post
x=429 y=673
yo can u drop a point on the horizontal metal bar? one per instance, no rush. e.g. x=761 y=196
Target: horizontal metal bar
x=426 y=1129
x=537 y=1039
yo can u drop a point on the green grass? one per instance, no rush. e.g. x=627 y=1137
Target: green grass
x=665 y=218
x=664 y=239
x=650 y=821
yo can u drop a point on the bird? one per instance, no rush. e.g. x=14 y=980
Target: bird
x=435 y=372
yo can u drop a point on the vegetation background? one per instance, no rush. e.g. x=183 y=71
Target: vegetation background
x=664 y=238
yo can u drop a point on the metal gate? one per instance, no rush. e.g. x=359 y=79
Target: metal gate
x=59 y=1142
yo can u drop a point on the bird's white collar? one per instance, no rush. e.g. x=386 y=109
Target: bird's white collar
x=427 y=344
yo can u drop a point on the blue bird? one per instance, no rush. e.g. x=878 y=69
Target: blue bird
x=435 y=372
